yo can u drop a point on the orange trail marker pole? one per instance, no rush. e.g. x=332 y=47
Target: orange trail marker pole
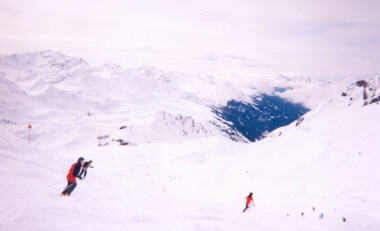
x=30 y=128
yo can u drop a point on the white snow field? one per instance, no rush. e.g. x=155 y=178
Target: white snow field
x=179 y=172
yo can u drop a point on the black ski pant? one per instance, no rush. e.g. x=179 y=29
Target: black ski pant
x=70 y=187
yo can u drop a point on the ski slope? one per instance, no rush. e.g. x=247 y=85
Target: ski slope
x=198 y=182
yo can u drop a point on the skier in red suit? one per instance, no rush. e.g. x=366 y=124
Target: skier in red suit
x=72 y=175
x=249 y=200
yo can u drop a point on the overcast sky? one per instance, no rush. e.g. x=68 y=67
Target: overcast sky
x=292 y=37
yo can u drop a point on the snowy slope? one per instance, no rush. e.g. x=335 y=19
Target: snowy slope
x=163 y=182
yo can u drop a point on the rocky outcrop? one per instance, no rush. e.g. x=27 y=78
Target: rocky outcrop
x=361 y=83
x=375 y=100
x=186 y=124
x=369 y=93
x=299 y=121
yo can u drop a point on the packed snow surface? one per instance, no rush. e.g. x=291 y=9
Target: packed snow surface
x=165 y=179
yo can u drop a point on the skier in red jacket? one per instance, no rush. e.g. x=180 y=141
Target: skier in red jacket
x=249 y=200
x=72 y=175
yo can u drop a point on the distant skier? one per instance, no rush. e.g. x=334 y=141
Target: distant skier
x=71 y=177
x=249 y=201
x=86 y=165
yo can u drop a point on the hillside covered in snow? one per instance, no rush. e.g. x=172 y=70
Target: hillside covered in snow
x=176 y=153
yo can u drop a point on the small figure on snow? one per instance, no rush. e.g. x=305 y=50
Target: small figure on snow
x=86 y=165
x=249 y=201
x=71 y=177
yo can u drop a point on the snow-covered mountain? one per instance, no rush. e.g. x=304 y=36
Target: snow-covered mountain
x=68 y=88
x=145 y=99
x=180 y=171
